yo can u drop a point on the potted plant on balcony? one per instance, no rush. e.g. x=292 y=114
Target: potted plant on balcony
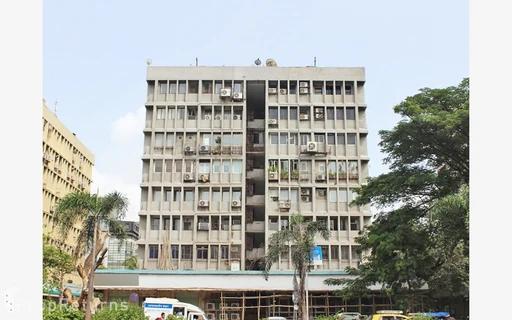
x=284 y=174
x=272 y=168
x=216 y=148
x=295 y=174
x=332 y=175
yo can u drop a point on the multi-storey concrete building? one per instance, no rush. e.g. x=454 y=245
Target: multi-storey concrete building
x=67 y=167
x=231 y=152
x=121 y=249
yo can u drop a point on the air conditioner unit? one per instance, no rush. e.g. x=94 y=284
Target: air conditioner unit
x=303 y=84
x=236 y=203
x=322 y=192
x=225 y=92
x=283 y=91
x=207 y=117
x=203 y=226
x=303 y=90
x=312 y=146
x=210 y=306
x=305 y=192
x=237 y=117
x=273 y=175
x=189 y=149
x=218 y=117
x=236 y=227
x=305 y=198
x=320 y=177
x=188 y=176
x=285 y=204
x=204 y=203
x=303 y=116
x=204 y=148
x=204 y=177
x=319 y=115
x=272 y=122
x=238 y=96
x=272 y=90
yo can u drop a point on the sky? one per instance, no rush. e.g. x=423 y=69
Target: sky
x=95 y=52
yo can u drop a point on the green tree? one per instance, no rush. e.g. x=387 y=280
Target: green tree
x=56 y=264
x=420 y=235
x=301 y=237
x=131 y=262
x=91 y=211
x=120 y=312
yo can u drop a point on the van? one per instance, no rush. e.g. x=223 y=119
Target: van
x=153 y=308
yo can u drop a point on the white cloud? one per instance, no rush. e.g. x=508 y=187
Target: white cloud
x=128 y=126
x=106 y=183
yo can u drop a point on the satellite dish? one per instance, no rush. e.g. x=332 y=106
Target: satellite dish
x=271 y=62
x=257 y=62
x=148 y=62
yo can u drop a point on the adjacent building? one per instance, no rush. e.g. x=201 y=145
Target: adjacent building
x=119 y=250
x=230 y=153
x=67 y=167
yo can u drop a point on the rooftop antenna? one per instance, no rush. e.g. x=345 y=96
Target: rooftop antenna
x=148 y=62
x=257 y=62
x=314 y=62
x=197 y=62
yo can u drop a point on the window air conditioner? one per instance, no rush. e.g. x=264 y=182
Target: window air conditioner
x=203 y=203
x=189 y=149
x=320 y=177
x=272 y=90
x=225 y=92
x=272 y=122
x=304 y=116
x=303 y=90
x=285 y=204
x=303 y=84
x=203 y=226
x=236 y=203
x=188 y=176
x=204 y=149
x=283 y=91
x=312 y=146
x=204 y=177
x=238 y=96
x=273 y=175
x=237 y=117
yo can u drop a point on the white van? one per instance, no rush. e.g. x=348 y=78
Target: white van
x=153 y=308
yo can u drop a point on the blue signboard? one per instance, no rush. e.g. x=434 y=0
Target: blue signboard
x=316 y=255
x=158 y=305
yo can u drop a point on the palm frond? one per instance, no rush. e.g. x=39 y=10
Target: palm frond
x=72 y=209
x=113 y=206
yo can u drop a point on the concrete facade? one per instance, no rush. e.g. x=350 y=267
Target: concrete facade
x=67 y=167
x=231 y=152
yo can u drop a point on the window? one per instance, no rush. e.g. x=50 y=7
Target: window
x=226 y=166
x=175 y=223
x=330 y=138
x=304 y=138
x=227 y=112
x=237 y=166
x=187 y=223
x=338 y=86
x=318 y=87
x=283 y=113
x=224 y=223
x=237 y=87
x=167 y=223
x=332 y=196
x=330 y=113
x=356 y=255
x=293 y=139
x=216 y=166
x=341 y=138
x=283 y=138
x=177 y=195
x=339 y=114
x=348 y=89
x=153 y=251
x=293 y=87
x=354 y=223
x=272 y=113
x=333 y=223
x=158 y=166
x=273 y=138
x=155 y=223
x=293 y=113
x=193 y=86
x=202 y=252
x=351 y=138
x=175 y=251
x=342 y=195
x=320 y=137
x=189 y=195
x=172 y=87
x=325 y=252
x=191 y=113
x=224 y=252
x=169 y=142
x=159 y=140
x=180 y=114
x=186 y=252
x=160 y=113
x=344 y=252
x=214 y=252
x=207 y=86
x=162 y=87
x=218 y=86
x=351 y=113
x=329 y=88
x=182 y=86
x=157 y=195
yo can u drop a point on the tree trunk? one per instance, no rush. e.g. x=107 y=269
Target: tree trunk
x=90 y=283
x=61 y=284
x=303 y=311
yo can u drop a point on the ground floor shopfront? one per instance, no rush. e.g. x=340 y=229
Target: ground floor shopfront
x=242 y=295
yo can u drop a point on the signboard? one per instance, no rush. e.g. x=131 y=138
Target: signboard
x=153 y=310
x=316 y=256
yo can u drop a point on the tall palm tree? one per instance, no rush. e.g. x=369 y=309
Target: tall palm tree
x=301 y=237
x=91 y=211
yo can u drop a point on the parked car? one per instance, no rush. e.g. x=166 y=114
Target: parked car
x=389 y=315
x=349 y=316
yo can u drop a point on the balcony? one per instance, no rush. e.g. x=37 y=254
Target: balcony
x=255 y=253
x=255 y=226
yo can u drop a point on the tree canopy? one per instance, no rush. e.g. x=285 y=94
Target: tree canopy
x=419 y=237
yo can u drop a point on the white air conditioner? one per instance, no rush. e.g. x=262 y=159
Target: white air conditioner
x=303 y=84
x=320 y=177
x=305 y=192
x=188 y=176
x=203 y=226
x=303 y=90
x=319 y=115
x=207 y=117
x=312 y=146
x=236 y=203
x=303 y=116
x=204 y=203
x=283 y=91
x=189 y=149
x=204 y=177
x=225 y=92
x=273 y=175
x=272 y=122
x=272 y=90
x=238 y=96
x=236 y=227
x=210 y=306
x=204 y=148
x=285 y=204
x=237 y=117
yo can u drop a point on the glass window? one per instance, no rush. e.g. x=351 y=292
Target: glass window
x=207 y=86
x=342 y=195
x=318 y=87
x=332 y=196
x=226 y=164
x=169 y=141
x=180 y=114
x=204 y=167
x=177 y=195
x=193 y=86
x=283 y=138
x=155 y=223
x=186 y=252
x=175 y=223
x=153 y=251
x=224 y=252
x=293 y=113
x=182 y=86
x=293 y=87
x=237 y=166
x=218 y=86
x=272 y=113
x=344 y=252
x=216 y=166
x=187 y=223
x=172 y=87
x=329 y=88
x=167 y=223
x=202 y=252
x=330 y=138
x=175 y=250
x=227 y=112
x=189 y=195
x=351 y=138
x=283 y=113
x=158 y=166
x=335 y=254
x=348 y=89
x=157 y=195
x=320 y=137
x=214 y=251
x=162 y=87
x=160 y=113
x=330 y=113
x=356 y=255
x=341 y=138
x=351 y=113
x=304 y=138
x=338 y=86
x=159 y=139
x=339 y=113
x=273 y=138
x=293 y=138
x=168 y=165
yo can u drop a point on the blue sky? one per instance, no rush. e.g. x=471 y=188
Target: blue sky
x=95 y=53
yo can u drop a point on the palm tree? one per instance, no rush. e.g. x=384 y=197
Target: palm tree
x=91 y=211
x=301 y=236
